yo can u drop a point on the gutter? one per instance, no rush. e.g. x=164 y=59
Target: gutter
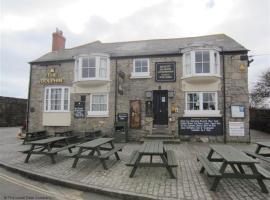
x=115 y=91
x=224 y=98
x=28 y=99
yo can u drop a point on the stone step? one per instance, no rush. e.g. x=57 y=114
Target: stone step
x=161 y=137
x=166 y=141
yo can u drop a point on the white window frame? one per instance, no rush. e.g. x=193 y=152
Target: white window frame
x=62 y=98
x=98 y=113
x=78 y=67
x=135 y=74
x=213 y=64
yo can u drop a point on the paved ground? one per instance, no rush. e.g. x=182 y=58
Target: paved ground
x=148 y=182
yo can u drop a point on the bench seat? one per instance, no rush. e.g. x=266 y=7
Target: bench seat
x=171 y=158
x=255 y=155
x=265 y=173
x=113 y=151
x=132 y=160
x=211 y=169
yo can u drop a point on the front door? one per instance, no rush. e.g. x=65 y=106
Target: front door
x=135 y=114
x=160 y=107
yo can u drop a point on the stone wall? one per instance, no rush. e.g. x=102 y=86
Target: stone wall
x=12 y=111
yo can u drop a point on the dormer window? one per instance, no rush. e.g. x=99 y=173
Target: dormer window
x=201 y=62
x=92 y=67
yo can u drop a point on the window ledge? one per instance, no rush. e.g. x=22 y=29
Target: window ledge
x=56 y=111
x=97 y=114
x=139 y=77
x=202 y=113
x=201 y=78
x=87 y=82
x=93 y=115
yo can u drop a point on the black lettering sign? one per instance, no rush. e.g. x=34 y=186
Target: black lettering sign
x=200 y=126
x=165 y=72
x=79 y=109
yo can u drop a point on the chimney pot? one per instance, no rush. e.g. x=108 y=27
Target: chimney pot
x=58 y=40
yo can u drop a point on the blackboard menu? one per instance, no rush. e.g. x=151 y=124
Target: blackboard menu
x=165 y=72
x=79 y=109
x=122 y=117
x=200 y=126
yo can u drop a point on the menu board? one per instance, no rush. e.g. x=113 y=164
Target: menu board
x=122 y=117
x=165 y=72
x=79 y=109
x=200 y=126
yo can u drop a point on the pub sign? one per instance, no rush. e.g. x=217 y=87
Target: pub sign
x=165 y=72
x=200 y=126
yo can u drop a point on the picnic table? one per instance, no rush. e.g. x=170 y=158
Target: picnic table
x=229 y=156
x=49 y=147
x=35 y=135
x=258 y=152
x=153 y=148
x=97 y=145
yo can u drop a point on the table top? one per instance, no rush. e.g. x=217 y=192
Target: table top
x=96 y=142
x=265 y=144
x=47 y=140
x=231 y=154
x=152 y=147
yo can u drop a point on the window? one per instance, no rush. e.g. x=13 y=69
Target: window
x=201 y=62
x=201 y=101
x=98 y=105
x=141 y=67
x=92 y=68
x=56 y=99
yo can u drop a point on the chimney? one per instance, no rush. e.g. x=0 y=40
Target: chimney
x=58 y=40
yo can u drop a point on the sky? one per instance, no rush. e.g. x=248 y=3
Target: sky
x=26 y=28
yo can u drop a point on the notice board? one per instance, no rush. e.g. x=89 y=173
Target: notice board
x=79 y=109
x=165 y=72
x=200 y=126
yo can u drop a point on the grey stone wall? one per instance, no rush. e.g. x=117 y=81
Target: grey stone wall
x=12 y=111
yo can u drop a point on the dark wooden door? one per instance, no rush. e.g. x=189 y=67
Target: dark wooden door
x=135 y=114
x=160 y=107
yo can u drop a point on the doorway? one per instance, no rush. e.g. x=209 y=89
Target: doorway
x=160 y=107
x=135 y=114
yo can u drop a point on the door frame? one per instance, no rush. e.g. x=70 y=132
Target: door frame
x=167 y=101
x=130 y=114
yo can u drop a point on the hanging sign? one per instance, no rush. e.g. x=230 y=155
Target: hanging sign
x=200 y=126
x=165 y=72
x=52 y=77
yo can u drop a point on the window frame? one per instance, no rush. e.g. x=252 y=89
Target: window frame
x=62 y=99
x=92 y=113
x=141 y=74
x=201 y=101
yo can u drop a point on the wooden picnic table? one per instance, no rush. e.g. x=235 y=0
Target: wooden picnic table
x=153 y=148
x=258 y=152
x=48 y=147
x=97 y=145
x=236 y=159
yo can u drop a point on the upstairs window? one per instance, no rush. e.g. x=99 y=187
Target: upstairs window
x=141 y=67
x=202 y=62
x=92 y=67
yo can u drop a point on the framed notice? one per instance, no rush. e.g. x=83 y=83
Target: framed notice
x=165 y=72
x=200 y=126
x=236 y=129
x=238 y=111
x=79 y=109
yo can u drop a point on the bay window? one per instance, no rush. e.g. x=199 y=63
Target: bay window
x=99 y=105
x=56 y=99
x=201 y=101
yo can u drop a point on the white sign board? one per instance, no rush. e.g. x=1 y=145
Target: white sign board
x=238 y=111
x=236 y=128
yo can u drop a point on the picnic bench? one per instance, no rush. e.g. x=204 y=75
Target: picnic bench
x=237 y=160
x=47 y=147
x=35 y=135
x=153 y=148
x=258 y=152
x=97 y=145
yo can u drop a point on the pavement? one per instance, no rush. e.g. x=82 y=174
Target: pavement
x=148 y=183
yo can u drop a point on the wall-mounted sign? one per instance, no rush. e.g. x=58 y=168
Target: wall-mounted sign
x=165 y=72
x=122 y=117
x=52 y=77
x=79 y=109
x=238 y=111
x=236 y=128
x=200 y=126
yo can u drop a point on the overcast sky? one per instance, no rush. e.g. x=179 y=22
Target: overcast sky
x=26 y=27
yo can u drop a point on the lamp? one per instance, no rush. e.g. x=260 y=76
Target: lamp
x=148 y=94
x=171 y=93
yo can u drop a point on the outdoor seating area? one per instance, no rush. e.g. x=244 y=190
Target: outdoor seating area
x=35 y=135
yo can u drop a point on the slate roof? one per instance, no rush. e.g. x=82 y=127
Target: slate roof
x=144 y=47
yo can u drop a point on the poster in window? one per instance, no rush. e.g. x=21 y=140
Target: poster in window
x=238 y=111
x=79 y=109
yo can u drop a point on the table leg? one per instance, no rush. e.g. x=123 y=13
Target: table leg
x=67 y=143
x=234 y=169
x=29 y=153
x=241 y=168
x=151 y=158
x=209 y=156
x=258 y=149
x=217 y=179
x=102 y=160
x=135 y=166
x=77 y=157
x=169 y=169
x=116 y=154
x=51 y=155
x=259 y=179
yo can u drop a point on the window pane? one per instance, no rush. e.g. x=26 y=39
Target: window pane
x=205 y=96
x=144 y=69
x=206 y=67
x=85 y=72
x=91 y=72
x=92 y=62
x=95 y=107
x=99 y=102
x=138 y=63
x=103 y=107
x=85 y=62
x=138 y=69
x=66 y=99
x=187 y=63
x=198 y=67
x=103 y=68
x=206 y=56
x=198 y=56
x=144 y=62
x=215 y=63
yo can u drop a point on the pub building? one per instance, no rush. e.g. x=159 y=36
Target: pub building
x=171 y=88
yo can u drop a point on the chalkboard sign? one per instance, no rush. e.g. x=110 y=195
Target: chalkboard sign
x=200 y=126
x=165 y=72
x=79 y=109
x=122 y=117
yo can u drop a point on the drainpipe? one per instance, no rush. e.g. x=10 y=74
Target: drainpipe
x=115 y=92
x=224 y=98
x=28 y=100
